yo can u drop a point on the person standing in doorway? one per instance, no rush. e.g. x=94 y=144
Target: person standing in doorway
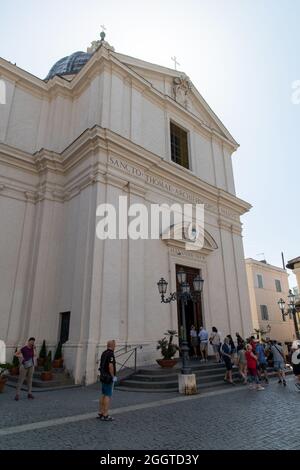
x=203 y=338
x=26 y=358
x=215 y=341
x=279 y=362
x=108 y=378
x=194 y=340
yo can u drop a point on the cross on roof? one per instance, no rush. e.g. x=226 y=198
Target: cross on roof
x=103 y=27
x=175 y=62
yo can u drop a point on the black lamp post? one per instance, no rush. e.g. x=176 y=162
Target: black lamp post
x=291 y=311
x=184 y=295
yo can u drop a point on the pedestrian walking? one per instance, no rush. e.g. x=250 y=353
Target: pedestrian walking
x=194 y=340
x=240 y=342
x=108 y=378
x=226 y=355
x=242 y=364
x=232 y=349
x=262 y=361
x=203 y=339
x=279 y=361
x=215 y=341
x=253 y=342
x=26 y=358
x=252 y=368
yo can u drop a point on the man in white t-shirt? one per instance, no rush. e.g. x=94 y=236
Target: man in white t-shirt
x=203 y=339
x=296 y=362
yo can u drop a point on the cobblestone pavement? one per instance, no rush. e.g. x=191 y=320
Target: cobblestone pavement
x=233 y=418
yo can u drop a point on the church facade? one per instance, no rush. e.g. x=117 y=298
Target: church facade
x=104 y=125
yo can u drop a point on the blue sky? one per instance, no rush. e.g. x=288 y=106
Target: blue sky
x=242 y=55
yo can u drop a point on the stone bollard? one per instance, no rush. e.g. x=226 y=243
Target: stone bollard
x=187 y=384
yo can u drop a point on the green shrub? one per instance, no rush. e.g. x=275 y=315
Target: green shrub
x=16 y=361
x=4 y=368
x=167 y=347
x=58 y=352
x=48 y=362
x=43 y=351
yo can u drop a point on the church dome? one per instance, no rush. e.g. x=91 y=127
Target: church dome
x=69 y=65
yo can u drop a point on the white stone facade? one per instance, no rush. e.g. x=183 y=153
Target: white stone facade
x=68 y=145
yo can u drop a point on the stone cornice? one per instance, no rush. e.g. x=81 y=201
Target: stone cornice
x=11 y=156
x=115 y=155
x=102 y=60
x=22 y=78
x=253 y=263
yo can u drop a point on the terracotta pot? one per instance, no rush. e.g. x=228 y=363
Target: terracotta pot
x=14 y=371
x=57 y=363
x=46 y=376
x=2 y=384
x=166 y=363
x=40 y=361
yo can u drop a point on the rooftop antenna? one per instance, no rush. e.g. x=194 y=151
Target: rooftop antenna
x=261 y=254
x=283 y=262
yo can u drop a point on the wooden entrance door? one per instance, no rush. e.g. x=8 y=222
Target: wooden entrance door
x=193 y=311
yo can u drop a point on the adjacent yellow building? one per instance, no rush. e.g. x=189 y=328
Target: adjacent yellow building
x=267 y=284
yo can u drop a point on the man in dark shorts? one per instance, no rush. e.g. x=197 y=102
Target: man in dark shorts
x=108 y=378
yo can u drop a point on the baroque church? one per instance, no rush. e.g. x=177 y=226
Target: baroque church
x=100 y=126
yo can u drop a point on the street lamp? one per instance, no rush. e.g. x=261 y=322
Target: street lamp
x=184 y=295
x=292 y=312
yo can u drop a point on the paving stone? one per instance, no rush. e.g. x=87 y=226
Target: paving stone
x=241 y=419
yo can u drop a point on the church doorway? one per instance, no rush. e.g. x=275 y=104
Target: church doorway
x=193 y=310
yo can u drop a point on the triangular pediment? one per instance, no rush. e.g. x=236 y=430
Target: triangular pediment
x=179 y=87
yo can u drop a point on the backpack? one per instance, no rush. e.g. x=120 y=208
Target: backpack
x=105 y=377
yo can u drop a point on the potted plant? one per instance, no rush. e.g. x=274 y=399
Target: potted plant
x=47 y=372
x=168 y=350
x=42 y=355
x=58 y=359
x=15 y=365
x=4 y=371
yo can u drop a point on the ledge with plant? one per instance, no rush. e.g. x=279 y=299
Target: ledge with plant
x=47 y=372
x=168 y=349
x=4 y=372
x=42 y=355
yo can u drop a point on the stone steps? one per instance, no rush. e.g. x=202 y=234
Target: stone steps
x=60 y=380
x=154 y=379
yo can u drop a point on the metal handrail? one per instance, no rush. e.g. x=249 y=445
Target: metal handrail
x=131 y=352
